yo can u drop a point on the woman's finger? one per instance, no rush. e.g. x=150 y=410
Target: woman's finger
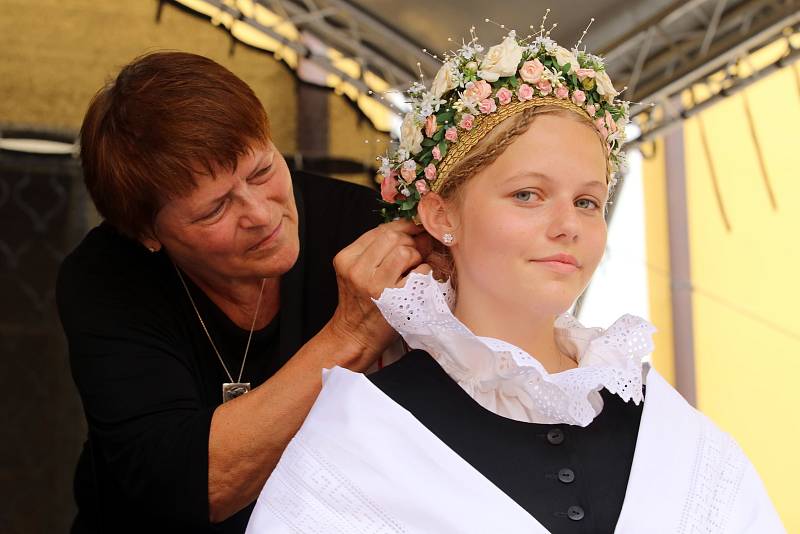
x=422 y=268
x=383 y=247
x=394 y=268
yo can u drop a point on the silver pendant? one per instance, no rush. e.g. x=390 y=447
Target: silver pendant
x=231 y=390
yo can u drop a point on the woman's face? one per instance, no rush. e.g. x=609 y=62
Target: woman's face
x=530 y=228
x=236 y=225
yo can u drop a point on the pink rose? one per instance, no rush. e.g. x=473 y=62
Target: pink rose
x=437 y=154
x=591 y=110
x=409 y=170
x=389 y=187
x=584 y=73
x=430 y=125
x=477 y=91
x=487 y=105
x=525 y=92
x=504 y=96
x=467 y=121
x=611 y=124
x=578 y=97
x=430 y=171
x=562 y=92
x=422 y=185
x=451 y=134
x=531 y=71
x=544 y=87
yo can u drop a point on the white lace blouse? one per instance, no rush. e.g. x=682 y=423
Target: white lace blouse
x=507 y=380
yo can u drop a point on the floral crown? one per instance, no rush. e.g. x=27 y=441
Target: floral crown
x=475 y=91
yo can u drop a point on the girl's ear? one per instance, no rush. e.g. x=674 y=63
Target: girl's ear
x=437 y=218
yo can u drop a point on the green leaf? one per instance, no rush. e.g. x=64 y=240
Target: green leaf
x=443 y=147
x=428 y=142
x=565 y=69
x=408 y=214
x=447 y=116
x=439 y=134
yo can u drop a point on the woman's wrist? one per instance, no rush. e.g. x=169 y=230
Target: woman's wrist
x=344 y=348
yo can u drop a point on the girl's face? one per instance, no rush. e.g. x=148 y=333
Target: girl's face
x=530 y=228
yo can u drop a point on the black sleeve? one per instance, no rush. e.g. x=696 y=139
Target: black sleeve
x=337 y=212
x=148 y=428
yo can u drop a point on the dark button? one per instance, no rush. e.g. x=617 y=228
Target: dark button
x=566 y=475
x=575 y=513
x=555 y=436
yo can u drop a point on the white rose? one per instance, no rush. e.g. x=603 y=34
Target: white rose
x=501 y=60
x=446 y=80
x=604 y=86
x=564 y=56
x=410 y=135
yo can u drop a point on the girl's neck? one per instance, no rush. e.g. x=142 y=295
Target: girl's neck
x=530 y=331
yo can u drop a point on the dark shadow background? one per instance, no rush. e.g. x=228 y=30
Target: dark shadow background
x=43 y=214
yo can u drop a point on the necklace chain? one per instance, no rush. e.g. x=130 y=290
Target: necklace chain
x=203 y=324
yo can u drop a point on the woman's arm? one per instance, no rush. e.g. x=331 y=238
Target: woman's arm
x=248 y=434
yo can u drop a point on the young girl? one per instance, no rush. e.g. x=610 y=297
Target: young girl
x=508 y=415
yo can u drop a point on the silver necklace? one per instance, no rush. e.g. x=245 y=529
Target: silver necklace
x=230 y=390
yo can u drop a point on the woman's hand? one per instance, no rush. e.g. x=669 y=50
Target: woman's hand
x=378 y=259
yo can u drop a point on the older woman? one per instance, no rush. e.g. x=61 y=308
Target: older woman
x=214 y=274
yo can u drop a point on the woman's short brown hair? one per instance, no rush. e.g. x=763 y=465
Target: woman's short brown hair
x=166 y=117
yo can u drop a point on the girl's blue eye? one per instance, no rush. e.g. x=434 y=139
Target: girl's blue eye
x=524 y=196
x=582 y=203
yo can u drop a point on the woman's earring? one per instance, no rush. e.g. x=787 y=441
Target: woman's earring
x=447 y=239
x=151 y=249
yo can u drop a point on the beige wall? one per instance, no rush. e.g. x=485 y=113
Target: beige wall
x=744 y=279
x=747 y=332
x=56 y=54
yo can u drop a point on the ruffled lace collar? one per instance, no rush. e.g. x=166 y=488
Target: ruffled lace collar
x=505 y=379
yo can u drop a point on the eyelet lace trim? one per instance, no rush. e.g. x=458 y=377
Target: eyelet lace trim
x=505 y=379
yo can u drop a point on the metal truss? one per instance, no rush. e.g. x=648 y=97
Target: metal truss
x=664 y=55
x=376 y=47
x=690 y=41
x=358 y=34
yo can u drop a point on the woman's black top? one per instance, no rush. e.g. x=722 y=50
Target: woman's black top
x=571 y=479
x=148 y=376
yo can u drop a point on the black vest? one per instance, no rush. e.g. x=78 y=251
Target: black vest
x=571 y=479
